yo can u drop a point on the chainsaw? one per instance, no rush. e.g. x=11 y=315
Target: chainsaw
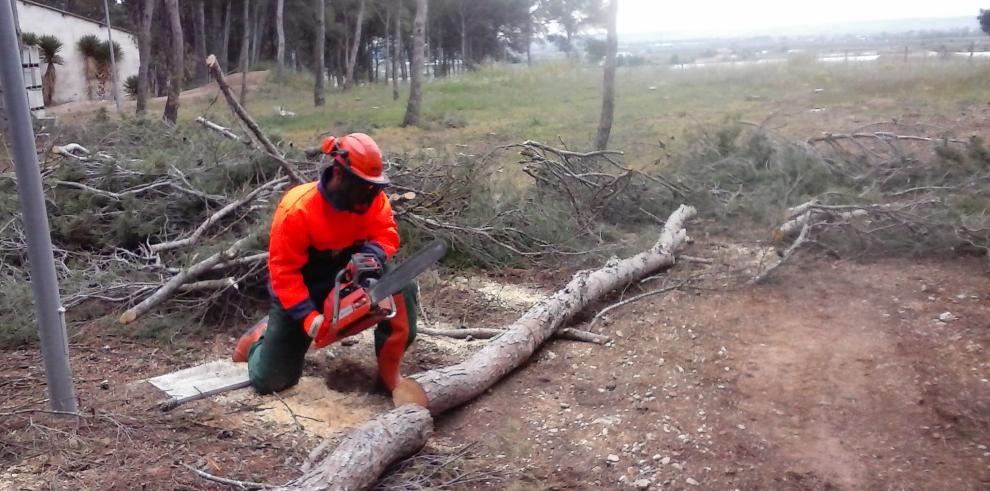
x=362 y=296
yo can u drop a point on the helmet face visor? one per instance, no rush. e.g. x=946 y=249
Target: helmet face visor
x=355 y=194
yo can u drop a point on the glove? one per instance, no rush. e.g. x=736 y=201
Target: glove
x=318 y=328
x=374 y=249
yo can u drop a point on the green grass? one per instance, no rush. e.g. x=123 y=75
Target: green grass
x=506 y=104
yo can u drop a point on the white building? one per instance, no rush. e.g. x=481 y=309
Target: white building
x=70 y=78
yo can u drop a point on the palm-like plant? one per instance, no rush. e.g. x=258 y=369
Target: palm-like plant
x=49 y=46
x=97 y=55
x=29 y=38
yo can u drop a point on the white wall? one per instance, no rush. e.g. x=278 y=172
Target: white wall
x=70 y=79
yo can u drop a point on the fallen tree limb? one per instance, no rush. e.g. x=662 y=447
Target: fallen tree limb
x=230 y=482
x=219 y=129
x=881 y=136
x=569 y=334
x=633 y=299
x=802 y=237
x=370 y=449
x=172 y=285
x=216 y=217
x=217 y=72
x=347 y=467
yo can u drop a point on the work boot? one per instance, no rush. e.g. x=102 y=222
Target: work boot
x=243 y=348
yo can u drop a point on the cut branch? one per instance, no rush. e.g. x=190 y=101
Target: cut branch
x=172 y=285
x=216 y=217
x=230 y=482
x=569 y=334
x=390 y=436
x=369 y=450
x=217 y=72
x=219 y=129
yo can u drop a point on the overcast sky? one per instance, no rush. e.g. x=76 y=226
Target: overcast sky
x=641 y=16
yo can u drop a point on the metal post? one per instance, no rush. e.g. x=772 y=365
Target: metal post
x=51 y=327
x=17 y=22
x=113 y=61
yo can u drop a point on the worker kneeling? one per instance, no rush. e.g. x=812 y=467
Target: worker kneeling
x=340 y=228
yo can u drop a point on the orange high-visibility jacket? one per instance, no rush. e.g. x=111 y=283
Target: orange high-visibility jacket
x=306 y=229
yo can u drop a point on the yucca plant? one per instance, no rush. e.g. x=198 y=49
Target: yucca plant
x=97 y=54
x=49 y=46
x=88 y=45
x=130 y=86
x=29 y=38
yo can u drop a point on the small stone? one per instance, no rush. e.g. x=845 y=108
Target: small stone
x=947 y=317
x=665 y=461
x=658 y=457
x=596 y=469
x=678 y=466
x=691 y=481
x=105 y=385
x=612 y=458
x=642 y=484
x=564 y=405
x=741 y=427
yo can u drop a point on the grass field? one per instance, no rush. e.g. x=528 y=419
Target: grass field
x=505 y=104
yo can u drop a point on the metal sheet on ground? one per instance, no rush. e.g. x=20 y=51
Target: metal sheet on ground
x=209 y=378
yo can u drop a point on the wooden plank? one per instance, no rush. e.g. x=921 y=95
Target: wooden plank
x=200 y=382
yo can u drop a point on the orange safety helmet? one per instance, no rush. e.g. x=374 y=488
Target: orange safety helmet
x=359 y=154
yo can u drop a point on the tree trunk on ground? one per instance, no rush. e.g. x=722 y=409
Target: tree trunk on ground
x=224 y=51
x=199 y=17
x=357 y=461
x=144 y=53
x=175 y=61
x=318 y=56
x=280 y=35
x=355 y=43
x=416 y=69
x=377 y=443
x=245 y=50
x=397 y=51
x=608 y=87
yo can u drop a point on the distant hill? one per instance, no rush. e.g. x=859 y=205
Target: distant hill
x=892 y=26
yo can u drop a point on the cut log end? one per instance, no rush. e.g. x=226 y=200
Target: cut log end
x=408 y=391
x=128 y=317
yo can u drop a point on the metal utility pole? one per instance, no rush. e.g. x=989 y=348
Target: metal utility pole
x=113 y=61
x=51 y=326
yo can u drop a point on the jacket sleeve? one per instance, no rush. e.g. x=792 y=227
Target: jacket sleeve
x=287 y=254
x=382 y=230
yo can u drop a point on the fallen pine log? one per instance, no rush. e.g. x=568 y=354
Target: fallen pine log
x=356 y=462
x=488 y=333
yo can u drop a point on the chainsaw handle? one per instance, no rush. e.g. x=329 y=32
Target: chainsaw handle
x=336 y=297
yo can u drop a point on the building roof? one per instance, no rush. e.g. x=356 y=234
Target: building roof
x=70 y=14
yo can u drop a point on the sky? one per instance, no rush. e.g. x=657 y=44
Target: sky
x=731 y=16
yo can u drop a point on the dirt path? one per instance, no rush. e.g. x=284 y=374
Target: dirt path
x=836 y=377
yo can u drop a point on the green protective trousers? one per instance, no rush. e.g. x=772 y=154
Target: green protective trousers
x=276 y=360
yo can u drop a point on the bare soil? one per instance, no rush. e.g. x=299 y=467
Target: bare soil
x=836 y=375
